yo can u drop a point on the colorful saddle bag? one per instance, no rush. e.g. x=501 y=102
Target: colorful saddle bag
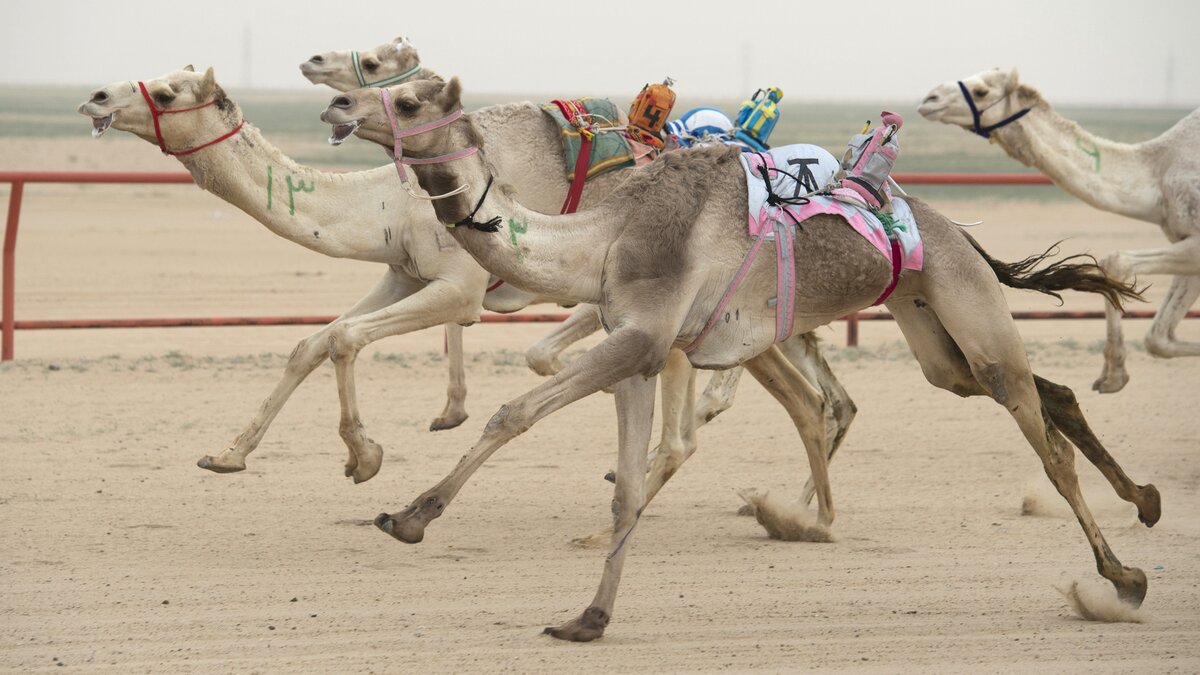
x=757 y=118
x=649 y=112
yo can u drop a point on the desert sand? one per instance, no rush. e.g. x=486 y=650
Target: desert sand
x=121 y=556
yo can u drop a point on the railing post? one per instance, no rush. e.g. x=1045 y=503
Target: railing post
x=7 y=320
x=852 y=330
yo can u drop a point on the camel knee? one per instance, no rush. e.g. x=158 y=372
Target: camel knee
x=951 y=379
x=1117 y=267
x=508 y=422
x=647 y=353
x=1159 y=345
x=343 y=344
x=542 y=360
x=308 y=354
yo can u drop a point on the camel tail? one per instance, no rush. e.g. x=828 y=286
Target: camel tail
x=1061 y=275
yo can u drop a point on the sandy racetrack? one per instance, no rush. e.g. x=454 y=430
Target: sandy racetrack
x=120 y=554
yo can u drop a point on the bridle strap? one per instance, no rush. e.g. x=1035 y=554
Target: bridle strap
x=397 y=151
x=395 y=79
x=977 y=114
x=156 y=112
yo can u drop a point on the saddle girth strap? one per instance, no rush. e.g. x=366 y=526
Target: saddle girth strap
x=574 y=112
x=897 y=262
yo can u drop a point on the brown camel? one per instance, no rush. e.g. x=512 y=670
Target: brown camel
x=655 y=257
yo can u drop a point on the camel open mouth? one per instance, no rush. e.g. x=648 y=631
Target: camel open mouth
x=101 y=124
x=342 y=131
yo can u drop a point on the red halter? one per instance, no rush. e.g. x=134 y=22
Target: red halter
x=156 y=112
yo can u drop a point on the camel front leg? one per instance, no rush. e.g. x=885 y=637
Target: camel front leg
x=635 y=416
x=440 y=302
x=308 y=354
x=626 y=352
x=455 y=412
x=1181 y=259
x=678 y=435
x=543 y=356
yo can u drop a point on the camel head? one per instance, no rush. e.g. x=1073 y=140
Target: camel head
x=360 y=112
x=378 y=66
x=990 y=90
x=121 y=105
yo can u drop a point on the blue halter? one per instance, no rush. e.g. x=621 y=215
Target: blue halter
x=977 y=114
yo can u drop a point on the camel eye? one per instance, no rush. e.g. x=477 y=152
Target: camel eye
x=980 y=93
x=407 y=107
x=163 y=99
x=370 y=66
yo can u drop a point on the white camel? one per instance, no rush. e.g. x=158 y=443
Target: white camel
x=655 y=257
x=1157 y=181
x=430 y=279
x=398 y=61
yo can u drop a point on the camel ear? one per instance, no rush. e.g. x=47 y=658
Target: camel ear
x=188 y=68
x=451 y=96
x=1014 y=80
x=208 y=84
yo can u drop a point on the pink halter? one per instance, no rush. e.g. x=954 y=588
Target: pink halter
x=156 y=112
x=397 y=151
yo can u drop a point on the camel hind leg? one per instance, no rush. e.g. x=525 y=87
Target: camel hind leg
x=806 y=406
x=804 y=352
x=967 y=320
x=1064 y=411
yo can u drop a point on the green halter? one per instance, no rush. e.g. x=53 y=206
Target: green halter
x=362 y=81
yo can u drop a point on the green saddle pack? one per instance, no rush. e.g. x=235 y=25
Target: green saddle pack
x=610 y=150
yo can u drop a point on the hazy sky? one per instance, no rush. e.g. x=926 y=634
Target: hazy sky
x=1104 y=51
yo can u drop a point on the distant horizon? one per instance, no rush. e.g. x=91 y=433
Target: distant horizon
x=502 y=96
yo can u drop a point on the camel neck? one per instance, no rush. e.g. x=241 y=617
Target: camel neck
x=1110 y=176
x=354 y=215
x=557 y=257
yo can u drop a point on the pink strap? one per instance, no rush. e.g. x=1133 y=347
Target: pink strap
x=733 y=286
x=785 y=280
x=896 y=263
x=397 y=151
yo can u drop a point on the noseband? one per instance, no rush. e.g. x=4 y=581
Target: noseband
x=156 y=112
x=977 y=114
x=395 y=79
x=397 y=151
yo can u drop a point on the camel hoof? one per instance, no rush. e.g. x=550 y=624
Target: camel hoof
x=400 y=529
x=1111 y=383
x=597 y=540
x=443 y=422
x=370 y=459
x=589 y=626
x=611 y=476
x=217 y=465
x=1134 y=592
x=1150 y=505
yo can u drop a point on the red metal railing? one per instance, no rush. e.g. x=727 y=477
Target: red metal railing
x=18 y=179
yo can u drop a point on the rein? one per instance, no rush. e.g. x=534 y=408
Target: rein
x=156 y=112
x=977 y=114
x=397 y=151
x=395 y=79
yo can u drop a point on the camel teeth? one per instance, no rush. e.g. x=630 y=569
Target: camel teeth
x=338 y=136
